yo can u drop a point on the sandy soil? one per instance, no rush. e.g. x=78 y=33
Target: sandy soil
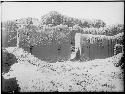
x=34 y=75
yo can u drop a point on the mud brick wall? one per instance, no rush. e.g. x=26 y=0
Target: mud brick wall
x=98 y=48
x=52 y=52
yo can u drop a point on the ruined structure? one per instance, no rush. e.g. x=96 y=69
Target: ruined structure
x=97 y=46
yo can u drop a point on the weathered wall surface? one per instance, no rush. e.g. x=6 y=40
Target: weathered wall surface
x=4 y=39
x=92 y=48
x=6 y=42
x=96 y=47
x=77 y=42
x=43 y=52
x=94 y=51
x=52 y=52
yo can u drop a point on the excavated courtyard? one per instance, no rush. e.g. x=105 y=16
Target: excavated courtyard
x=34 y=75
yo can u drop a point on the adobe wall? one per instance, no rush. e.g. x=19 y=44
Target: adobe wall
x=52 y=52
x=95 y=51
x=98 y=48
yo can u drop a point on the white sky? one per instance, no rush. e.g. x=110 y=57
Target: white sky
x=109 y=12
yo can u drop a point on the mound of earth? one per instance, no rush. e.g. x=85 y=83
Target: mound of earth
x=34 y=75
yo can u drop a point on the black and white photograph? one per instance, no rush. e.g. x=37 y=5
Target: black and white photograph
x=62 y=47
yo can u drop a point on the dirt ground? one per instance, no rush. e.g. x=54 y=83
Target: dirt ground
x=34 y=75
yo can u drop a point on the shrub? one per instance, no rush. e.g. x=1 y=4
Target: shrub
x=8 y=59
x=10 y=85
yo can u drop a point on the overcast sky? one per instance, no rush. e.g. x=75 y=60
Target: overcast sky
x=110 y=12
